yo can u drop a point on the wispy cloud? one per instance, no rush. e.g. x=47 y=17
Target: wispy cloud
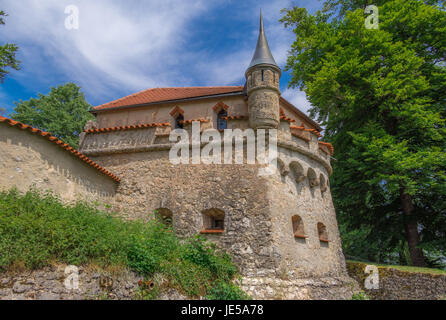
x=298 y=98
x=117 y=45
x=125 y=46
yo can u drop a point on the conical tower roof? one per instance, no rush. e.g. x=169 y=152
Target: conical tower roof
x=263 y=54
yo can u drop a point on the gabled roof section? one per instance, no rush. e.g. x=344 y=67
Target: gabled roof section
x=155 y=95
x=300 y=113
x=60 y=143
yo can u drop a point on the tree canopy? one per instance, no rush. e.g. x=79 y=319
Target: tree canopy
x=7 y=54
x=381 y=96
x=63 y=112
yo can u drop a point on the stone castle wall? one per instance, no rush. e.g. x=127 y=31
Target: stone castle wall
x=394 y=284
x=28 y=159
x=258 y=210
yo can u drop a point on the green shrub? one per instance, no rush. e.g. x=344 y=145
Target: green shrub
x=37 y=229
x=226 y=291
x=360 y=296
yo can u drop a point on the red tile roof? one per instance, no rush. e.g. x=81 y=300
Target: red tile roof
x=328 y=145
x=124 y=128
x=60 y=143
x=239 y=117
x=167 y=94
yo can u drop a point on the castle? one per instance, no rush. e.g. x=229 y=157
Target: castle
x=280 y=229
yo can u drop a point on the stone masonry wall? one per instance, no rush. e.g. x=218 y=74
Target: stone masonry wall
x=152 y=182
x=28 y=159
x=49 y=284
x=401 y=285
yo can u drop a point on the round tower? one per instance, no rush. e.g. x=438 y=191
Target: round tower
x=262 y=84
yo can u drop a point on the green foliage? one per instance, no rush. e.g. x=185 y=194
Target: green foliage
x=37 y=229
x=146 y=293
x=360 y=296
x=226 y=291
x=8 y=53
x=381 y=96
x=63 y=113
x=205 y=254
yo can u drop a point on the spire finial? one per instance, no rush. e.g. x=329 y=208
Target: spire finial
x=261 y=21
x=263 y=54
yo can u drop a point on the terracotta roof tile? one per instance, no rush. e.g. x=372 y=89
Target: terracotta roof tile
x=328 y=145
x=235 y=118
x=285 y=118
x=201 y=120
x=167 y=94
x=132 y=127
x=63 y=145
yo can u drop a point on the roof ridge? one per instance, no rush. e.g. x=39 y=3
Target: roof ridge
x=61 y=144
x=171 y=89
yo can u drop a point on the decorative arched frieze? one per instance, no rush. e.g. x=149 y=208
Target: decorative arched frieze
x=297 y=171
x=312 y=178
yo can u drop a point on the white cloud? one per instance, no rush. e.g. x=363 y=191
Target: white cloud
x=298 y=98
x=126 y=46
x=117 y=45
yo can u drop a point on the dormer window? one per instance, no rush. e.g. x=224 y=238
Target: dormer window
x=220 y=116
x=179 y=121
x=222 y=123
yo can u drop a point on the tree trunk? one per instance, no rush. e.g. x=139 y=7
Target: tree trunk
x=411 y=228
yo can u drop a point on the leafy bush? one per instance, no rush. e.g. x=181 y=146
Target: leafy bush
x=226 y=291
x=37 y=229
x=360 y=296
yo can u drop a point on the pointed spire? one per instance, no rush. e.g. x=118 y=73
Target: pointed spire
x=262 y=55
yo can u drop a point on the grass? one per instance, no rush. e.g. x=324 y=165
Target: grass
x=404 y=268
x=37 y=230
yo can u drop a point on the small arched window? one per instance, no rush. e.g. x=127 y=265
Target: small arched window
x=298 y=227
x=322 y=232
x=179 y=121
x=213 y=221
x=222 y=123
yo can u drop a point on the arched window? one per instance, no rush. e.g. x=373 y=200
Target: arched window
x=213 y=221
x=222 y=123
x=298 y=227
x=165 y=216
x=322 y=232
x=179 y=121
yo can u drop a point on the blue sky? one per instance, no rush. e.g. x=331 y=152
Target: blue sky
x=122 y=47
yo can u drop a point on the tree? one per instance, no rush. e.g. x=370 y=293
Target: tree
x=7 y=54
x=381 y=95
x=63 y=112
